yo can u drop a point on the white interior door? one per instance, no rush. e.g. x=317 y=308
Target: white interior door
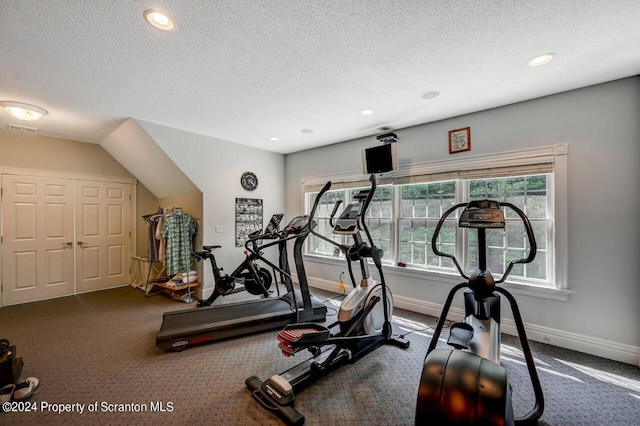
x=37 y=242
x=103 y=235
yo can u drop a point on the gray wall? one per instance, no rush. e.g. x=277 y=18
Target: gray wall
x=215 y=167
x=601 y=126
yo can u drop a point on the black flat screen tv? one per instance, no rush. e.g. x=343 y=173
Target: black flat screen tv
x=380 y=159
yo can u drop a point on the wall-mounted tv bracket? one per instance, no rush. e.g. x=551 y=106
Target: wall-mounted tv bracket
x=387 y=138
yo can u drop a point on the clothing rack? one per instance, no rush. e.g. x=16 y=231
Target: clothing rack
x=163 y=212
x=184 y=259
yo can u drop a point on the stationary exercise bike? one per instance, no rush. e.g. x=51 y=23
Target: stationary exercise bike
x=467 y=385
x=256 y=280
x=363 y=322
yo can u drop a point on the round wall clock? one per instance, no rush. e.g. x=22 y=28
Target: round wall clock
x=249 y=181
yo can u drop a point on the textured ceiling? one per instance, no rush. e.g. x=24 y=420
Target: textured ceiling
x=245 y=71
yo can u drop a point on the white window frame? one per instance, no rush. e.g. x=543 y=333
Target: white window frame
x=555 y=154
x=550 y=248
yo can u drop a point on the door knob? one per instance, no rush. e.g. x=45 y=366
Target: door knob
x=67 y=245
x=82 y=244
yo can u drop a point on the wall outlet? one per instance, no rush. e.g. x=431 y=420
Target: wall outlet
x=218 y=229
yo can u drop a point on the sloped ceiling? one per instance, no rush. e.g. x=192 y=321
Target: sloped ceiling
x=139 y=153
x=301 y=71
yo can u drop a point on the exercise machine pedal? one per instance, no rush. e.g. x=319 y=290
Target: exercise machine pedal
x=296 y=337
x=460 y=335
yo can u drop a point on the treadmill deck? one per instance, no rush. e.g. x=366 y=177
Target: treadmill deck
x=188 y=327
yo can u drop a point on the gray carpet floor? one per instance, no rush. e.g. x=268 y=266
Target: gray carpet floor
x=100 y=348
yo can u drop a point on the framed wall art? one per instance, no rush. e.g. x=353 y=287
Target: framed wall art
x=460 y=140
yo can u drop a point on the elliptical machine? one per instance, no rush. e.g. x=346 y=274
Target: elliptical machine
x=364 y=319
x=467 y=385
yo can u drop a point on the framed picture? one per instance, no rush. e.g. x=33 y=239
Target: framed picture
x=460 y=140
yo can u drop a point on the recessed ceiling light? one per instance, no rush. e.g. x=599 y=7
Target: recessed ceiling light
x=22 y=111
x=274 y=139
x=430 y=95
x=159 y=19
x=366 y=112
x=541 y=60
x=306 y=131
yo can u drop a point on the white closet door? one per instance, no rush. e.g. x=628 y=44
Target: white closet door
x=37 y=246
x=103 y=235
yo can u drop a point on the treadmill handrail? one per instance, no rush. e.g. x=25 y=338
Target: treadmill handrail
x=283 y=240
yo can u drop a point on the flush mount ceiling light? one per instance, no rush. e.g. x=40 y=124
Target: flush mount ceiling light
x=540 y=60
x=159 y=19
x=22 y=111
x=366 y=112
x=430 y=95
x=274 y=139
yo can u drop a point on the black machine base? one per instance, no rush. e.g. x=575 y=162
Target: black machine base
x=461 y=388
x=288 y=413
x=277 y=393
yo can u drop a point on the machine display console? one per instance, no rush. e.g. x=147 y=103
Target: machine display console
x=348 y=222
x=482 y=214
x=274 y=224
x=297 y=225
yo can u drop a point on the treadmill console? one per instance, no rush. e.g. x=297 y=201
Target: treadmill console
x=349 y=221
x=297 y=225
x=482 y=214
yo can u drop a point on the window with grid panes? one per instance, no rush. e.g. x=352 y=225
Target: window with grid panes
x=421 y=206
x=420 y=209
x=530 y=194
x=408 y=205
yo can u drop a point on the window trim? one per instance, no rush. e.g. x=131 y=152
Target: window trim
x=555 y=154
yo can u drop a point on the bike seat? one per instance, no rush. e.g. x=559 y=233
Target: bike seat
x=210 y=248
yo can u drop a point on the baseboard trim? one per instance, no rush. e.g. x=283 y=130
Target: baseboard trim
x=590 y=345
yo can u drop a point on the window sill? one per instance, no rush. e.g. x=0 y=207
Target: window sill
x=541 y=292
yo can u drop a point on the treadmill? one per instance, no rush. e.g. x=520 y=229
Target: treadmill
x=182 y=329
